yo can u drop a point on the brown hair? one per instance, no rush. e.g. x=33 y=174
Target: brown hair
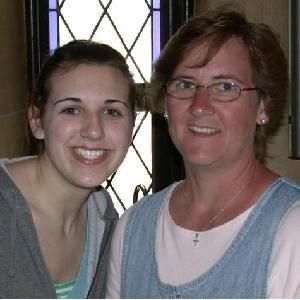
x=267 y=60
x=68 y=57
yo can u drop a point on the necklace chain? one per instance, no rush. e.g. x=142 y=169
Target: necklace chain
x=197 y=233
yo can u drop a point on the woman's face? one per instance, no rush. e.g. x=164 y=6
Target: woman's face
x=87 y=125
x=207 y=132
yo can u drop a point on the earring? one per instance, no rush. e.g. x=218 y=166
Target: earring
x=263 y=121
x=166 y=115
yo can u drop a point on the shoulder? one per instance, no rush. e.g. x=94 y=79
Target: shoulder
x=290 y=224
x=102 y=204
x=144 y=207
x=9 y=192
x=284 y=281
x=290 y=190
x=153 y=201
x=15 y=173
x=289 y=185
x=120 y=228
x=280 y=196
x=4 y=175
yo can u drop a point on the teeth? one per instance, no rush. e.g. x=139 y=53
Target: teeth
x=89 y=154
x=206 y=130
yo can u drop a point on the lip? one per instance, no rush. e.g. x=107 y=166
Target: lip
x=204 y=130
x=90 y=155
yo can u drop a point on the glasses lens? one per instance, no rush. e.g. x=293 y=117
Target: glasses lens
x=224 y=91
x=181 y=89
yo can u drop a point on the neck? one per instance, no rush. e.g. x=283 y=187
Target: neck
x=210 y=199
x=207 y=186
x=53 y=199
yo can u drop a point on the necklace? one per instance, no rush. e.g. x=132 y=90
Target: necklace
x=196 y=239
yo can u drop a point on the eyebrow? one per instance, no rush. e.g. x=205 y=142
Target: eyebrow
x=216 y=77
x=75 y=99
x=110 y=101
x=227 y=76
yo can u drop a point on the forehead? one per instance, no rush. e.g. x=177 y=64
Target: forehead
x=231 y=59
x=90 y=79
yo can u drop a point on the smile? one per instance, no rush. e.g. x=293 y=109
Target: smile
x=89 y=154
x=205 y=130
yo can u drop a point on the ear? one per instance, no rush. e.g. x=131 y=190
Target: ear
x=262 y=116
x=35 y=123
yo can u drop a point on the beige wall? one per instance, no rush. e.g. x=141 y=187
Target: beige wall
x=276 y=14
x=12 y=79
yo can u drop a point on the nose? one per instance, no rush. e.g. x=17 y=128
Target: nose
x=92 y=127
x=202 y=103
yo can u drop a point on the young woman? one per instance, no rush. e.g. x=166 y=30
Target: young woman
x=56 y=220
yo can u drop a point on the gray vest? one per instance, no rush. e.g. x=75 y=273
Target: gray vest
x=241 y=273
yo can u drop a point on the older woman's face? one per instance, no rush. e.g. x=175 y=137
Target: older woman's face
x=207 y=132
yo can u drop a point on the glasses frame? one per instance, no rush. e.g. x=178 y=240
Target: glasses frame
x=209 y=88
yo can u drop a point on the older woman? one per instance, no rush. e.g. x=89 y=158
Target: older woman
x=230 y=228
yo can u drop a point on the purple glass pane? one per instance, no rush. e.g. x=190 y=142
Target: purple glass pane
x=53 y=39
x=155 y=35
x=52 y=4
x=156 y=4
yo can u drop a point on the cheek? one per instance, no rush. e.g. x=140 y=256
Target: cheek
x=59 y=131
x=176 y=115
x=242 y=123
x=117 y=129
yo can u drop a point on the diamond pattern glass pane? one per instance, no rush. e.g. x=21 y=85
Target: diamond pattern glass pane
x=126 y=26
x=89 y=15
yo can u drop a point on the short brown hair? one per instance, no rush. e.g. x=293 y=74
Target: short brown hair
x=267 y=60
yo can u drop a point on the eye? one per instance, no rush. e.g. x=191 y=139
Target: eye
x=112 y=112
x=184 y=84
x=226 y=86
x=71 y=110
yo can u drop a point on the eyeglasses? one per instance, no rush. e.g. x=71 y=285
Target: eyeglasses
x=220 y=91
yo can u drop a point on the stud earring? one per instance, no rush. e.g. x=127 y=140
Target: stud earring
x=263 y=121
x=166 y=115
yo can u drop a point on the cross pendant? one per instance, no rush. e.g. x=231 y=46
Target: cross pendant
x=196 y=239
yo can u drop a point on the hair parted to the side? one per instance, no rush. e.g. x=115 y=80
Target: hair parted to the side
x=266 y=54
x=68 y=57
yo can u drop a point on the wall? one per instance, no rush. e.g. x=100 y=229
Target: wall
x=13 y=86
x=276 y=14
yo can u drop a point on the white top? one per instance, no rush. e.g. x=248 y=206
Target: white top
x=175 y=243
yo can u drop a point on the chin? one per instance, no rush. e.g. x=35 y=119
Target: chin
x=201 y=161
x=89 y=183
